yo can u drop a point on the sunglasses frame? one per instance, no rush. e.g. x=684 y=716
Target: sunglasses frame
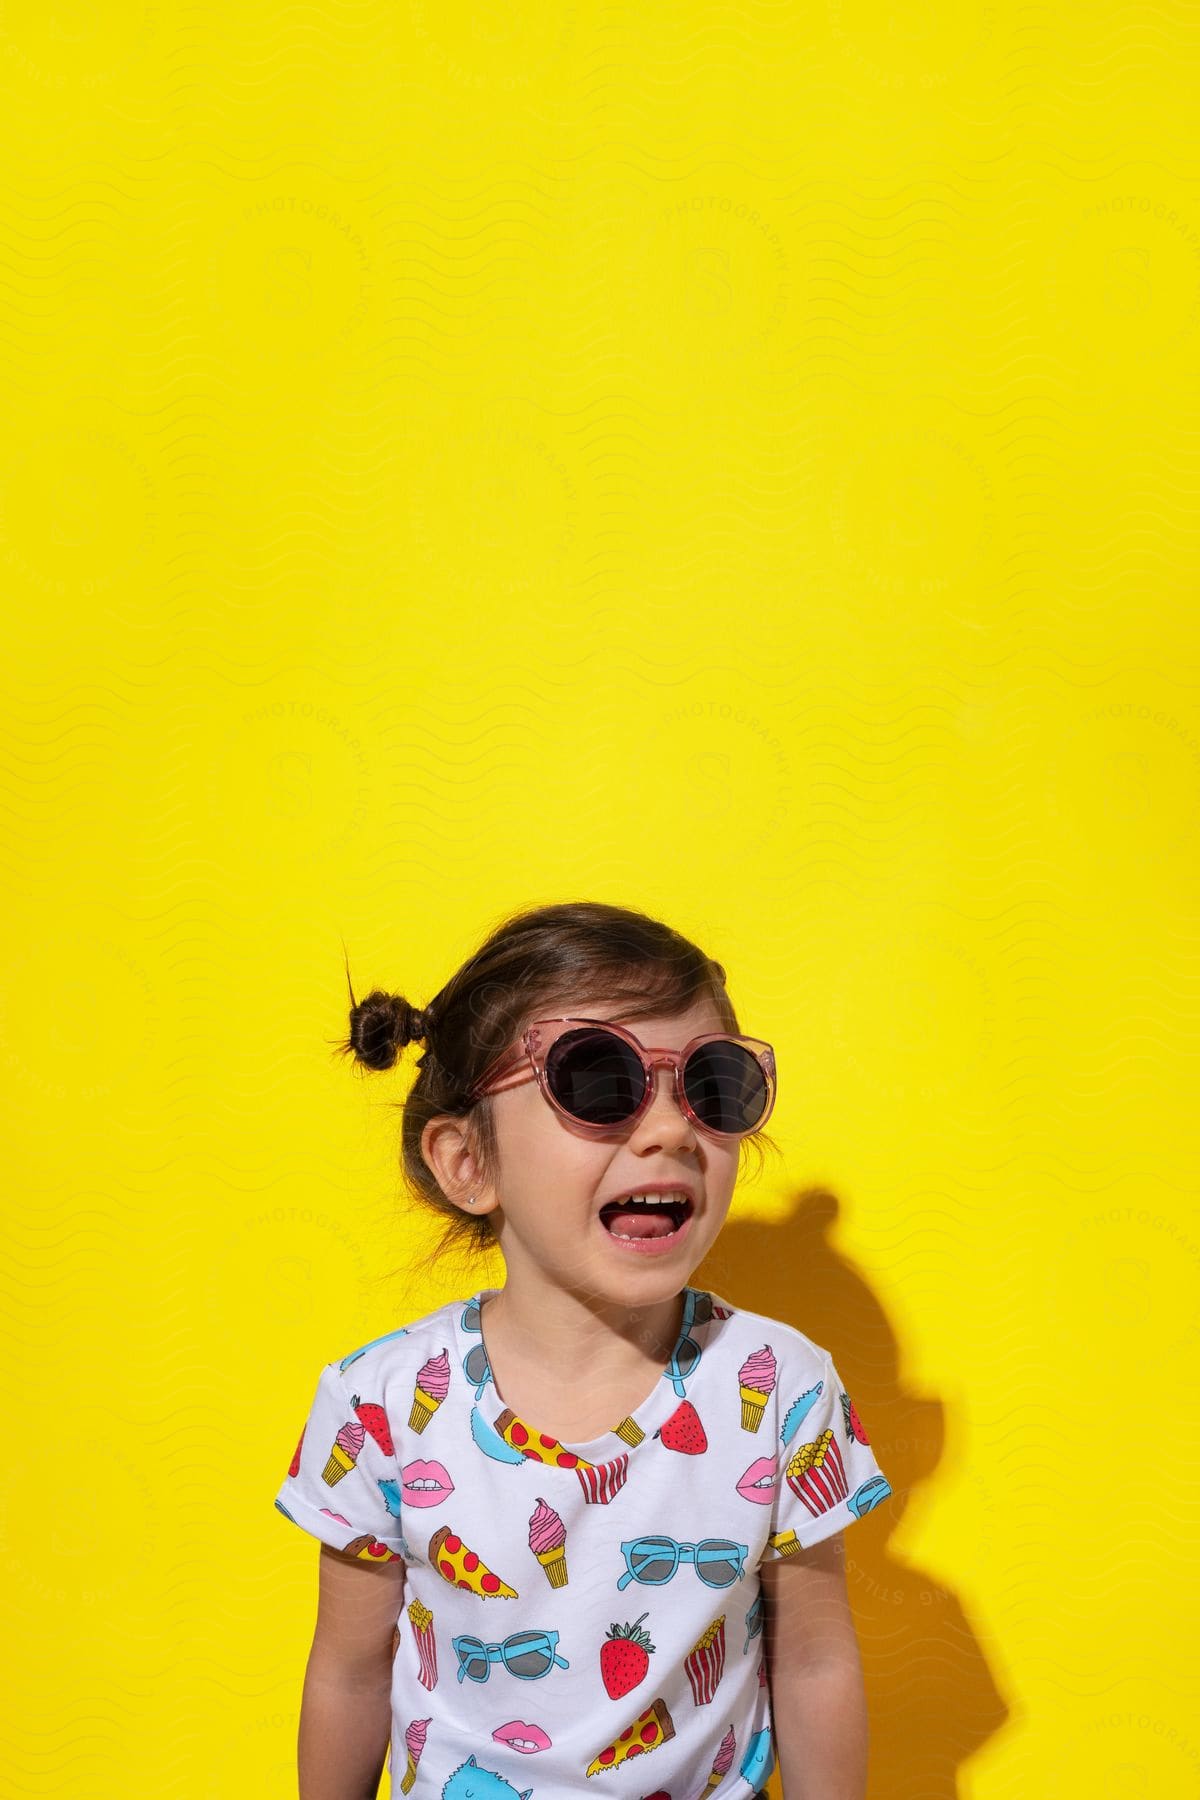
x=501 y=1660
x=526 y=1060
x=679 y=1550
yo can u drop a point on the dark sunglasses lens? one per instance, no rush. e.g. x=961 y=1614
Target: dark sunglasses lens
x=653 y=1560
x=725 y=1086
x=526 y=1653
x=714 y=1567
x=595 y=1075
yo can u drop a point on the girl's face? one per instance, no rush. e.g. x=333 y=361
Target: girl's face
x=554 y=1181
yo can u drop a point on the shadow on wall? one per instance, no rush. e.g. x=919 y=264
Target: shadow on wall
x=931 y=1697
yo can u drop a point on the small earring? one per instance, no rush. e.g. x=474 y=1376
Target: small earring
x=471 y=1201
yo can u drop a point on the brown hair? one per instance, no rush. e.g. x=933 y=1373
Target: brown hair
x=534 y=965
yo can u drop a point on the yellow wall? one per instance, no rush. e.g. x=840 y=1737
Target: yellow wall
x=734 y=459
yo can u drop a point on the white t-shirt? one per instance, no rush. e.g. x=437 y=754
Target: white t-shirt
x=569 y=1612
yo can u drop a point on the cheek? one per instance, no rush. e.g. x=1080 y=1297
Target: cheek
x=541 y=1161
x=526 y=1134
x=723 y=1174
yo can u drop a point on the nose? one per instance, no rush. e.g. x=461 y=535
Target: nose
x=664 y=1120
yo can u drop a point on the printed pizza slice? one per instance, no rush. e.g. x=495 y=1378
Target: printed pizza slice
x=535 y=1444
x=370 y=1550
x=463 y=1568
x=649 y=1730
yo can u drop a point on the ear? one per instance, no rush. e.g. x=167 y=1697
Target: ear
x=446 y=1150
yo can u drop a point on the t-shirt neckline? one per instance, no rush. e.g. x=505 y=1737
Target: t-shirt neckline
x=629 y=1433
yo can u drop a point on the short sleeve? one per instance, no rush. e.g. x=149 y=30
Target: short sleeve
x=828 y=1475
x=343 y=1485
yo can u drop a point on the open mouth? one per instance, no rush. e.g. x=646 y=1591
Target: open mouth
x=644 y=1219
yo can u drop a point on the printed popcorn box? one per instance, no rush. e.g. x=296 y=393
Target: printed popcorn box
x=421 y=1620
x=705 y=1663
x=601 y=1481
x=816 y=1474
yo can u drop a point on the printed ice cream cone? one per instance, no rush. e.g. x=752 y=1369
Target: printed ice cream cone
x=432 y=1386
x=555 y=1564
x=722 y=1763
x=785 y=1542
x=631 y=1432
x=754 y=1402
x=423 y=1408
x=339 y=1464
x=548 y=1541
x=345 y=1452
x=414 y=1743
x=757 y=1383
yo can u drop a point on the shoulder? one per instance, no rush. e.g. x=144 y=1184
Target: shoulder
x=772 y=1342
x=404 y=1347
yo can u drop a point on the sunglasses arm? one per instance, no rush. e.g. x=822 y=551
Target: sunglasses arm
x=512 y=1068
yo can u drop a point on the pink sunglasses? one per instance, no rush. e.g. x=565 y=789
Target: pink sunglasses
x=600 y=1077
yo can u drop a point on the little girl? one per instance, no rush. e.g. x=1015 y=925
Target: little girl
x=584 y=1524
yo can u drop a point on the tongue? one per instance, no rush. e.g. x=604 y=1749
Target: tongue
x=641 y=1221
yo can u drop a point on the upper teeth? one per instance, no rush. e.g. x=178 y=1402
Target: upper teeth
x=656 y=1199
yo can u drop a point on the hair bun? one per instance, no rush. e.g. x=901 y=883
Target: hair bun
x=381 y=1025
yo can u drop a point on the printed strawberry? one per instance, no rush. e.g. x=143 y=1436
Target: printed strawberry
x=372 y=1418
x=854 y=1425
x=624 y=1658
x=294 y=1468
x=683 y=1431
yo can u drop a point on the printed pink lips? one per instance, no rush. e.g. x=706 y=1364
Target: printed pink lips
x=519 y=1736
x=758 y=1483
x=425 y=1484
